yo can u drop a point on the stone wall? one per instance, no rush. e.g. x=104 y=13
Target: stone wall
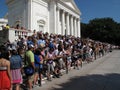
x=3 y=36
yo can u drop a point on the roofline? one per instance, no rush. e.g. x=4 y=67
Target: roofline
x=78 y=11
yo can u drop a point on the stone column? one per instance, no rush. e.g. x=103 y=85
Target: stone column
x=53 y=17
x=58 y=21
x=68 y=25
x=79 y=31
x=63 y=23
x=29 y=19
x=72 y=25
x=75 y=27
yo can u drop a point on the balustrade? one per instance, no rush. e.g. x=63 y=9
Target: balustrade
x=20 y=32
x=13 y=34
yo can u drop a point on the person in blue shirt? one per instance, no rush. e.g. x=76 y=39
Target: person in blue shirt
x=41 y=42
x=29 y=41
x=16 y=67
x=38 y=66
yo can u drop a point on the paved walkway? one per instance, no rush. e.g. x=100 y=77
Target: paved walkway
x=102 y=74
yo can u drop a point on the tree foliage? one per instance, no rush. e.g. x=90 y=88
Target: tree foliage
x=102 y=29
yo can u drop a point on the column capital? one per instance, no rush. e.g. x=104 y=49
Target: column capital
x=71 y=16
x=78 y=19
x=58 y=8
x=75 y=18
x=63 y=11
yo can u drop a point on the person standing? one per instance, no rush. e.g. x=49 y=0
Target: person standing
x=29 y=61
x=7 y=27
x=16 y=67
x=5 y=76
x=37 y=66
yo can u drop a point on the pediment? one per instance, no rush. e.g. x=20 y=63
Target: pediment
x=71 y=4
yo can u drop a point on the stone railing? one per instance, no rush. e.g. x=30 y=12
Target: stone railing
x=13 y=34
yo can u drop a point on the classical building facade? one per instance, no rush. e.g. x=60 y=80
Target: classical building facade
x=3 y=22
x=53 y=16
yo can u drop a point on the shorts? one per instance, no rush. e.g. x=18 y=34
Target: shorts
x=61 y=63
x=36 y=70
x=50 y=67
x=30 y=78
x=69 y=59
x=39 y=69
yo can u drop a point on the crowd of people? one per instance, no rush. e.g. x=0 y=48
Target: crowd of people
x=44 y=55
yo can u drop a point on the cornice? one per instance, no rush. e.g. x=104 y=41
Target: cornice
x=76 y=11
x=43 y=3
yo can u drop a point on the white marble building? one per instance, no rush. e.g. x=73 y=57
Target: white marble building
x=53 y=16
x=3 y=22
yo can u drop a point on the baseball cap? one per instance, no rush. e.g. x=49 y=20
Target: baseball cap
x=31 y=46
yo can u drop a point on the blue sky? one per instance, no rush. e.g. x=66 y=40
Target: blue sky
x=3 y=8
x=90 y=9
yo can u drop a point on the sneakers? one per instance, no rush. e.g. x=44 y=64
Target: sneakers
x=56 y=76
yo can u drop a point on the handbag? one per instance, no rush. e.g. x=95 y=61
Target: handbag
x=29 y=70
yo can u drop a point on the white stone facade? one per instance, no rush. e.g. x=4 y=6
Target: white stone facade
x=53 y=16
x=3 y=22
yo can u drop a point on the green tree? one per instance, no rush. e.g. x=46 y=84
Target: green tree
x=102 y=29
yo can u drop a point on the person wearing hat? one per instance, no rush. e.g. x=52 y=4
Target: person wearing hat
x=29 y=61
